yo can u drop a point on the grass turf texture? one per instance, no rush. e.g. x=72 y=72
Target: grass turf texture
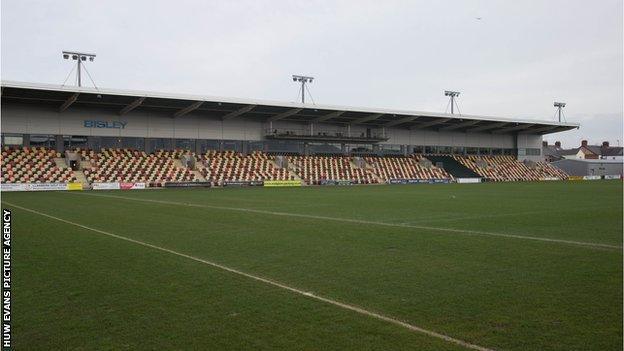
x=77 y=289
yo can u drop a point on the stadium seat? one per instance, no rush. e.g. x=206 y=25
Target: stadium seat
x=400 y=167
x=230 y=166
x=33 y=165
x=507 y=168
x=315 y=169
x=127 y=165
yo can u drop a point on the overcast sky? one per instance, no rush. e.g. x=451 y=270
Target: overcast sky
x=513 y=62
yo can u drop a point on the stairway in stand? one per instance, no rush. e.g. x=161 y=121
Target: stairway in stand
x=199 y=176
x=80 y=177
x=60 y=162
x=292 y=175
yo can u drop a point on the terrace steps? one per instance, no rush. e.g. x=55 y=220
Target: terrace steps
x=85 y=164
x=177 y=163
x=291 y=173
x=199 y=176
x=373 y=172
x=80 y=177
x=60 y=162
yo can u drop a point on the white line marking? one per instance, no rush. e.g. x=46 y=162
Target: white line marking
x=513 y=214
x=310 y=295
x=360 y=221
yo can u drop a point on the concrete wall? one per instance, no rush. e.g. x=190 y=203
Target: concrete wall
x=588 y=168
x=34 y=119
x=532 y=142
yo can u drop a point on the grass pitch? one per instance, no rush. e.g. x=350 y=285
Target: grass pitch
x=514 y=266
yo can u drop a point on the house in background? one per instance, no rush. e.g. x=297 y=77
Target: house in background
x=583 y=152
x=610 y=152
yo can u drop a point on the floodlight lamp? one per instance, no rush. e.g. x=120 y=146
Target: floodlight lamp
x=83 y=58
x=74 y=57
x=91 y=58
x=65 y=56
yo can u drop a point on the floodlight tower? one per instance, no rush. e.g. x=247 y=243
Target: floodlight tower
x=559 y=106
x=303 y=80
x=79 y=57
x=453 y=95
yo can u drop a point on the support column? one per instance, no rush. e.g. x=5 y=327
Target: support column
x=60 y=144
x=26 y=140
x=245 y=147
x=376 y=149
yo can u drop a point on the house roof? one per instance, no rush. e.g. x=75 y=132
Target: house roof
x=552 y=150
x=613 y=151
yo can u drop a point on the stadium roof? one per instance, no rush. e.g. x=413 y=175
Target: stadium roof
x=124 y=101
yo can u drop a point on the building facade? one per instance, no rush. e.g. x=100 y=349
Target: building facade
x=70 y=117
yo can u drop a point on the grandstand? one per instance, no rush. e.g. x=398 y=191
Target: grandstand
x=55 y=134
x=219 y=168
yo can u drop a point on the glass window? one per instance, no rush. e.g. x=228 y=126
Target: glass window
x=484 y=151
x=75 y=141
x=94 y=143
x=360 y=148
x=256 y=146
x=325 y=148
x=162 y=144
x=201 y=146
x=12 y=139
x=210 y=145
x=232 y=145
x=133 y=143
x=110 y=142
x=472 y=150
x=289 y=146
x=430 y=149
x=458 y=150
x=497 y=151
x=185 y=144
x=391 y=147
x=42 y=140
x=444 y=149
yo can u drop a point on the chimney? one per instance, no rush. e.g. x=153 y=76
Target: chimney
x=605 y=144
x=544 y=143
x=558 y=144
x=584 y=143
